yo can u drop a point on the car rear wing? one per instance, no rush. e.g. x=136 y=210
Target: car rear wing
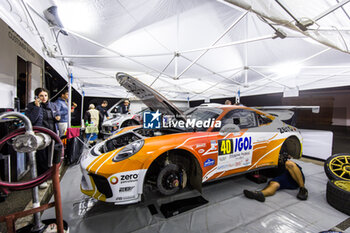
x=286 y=112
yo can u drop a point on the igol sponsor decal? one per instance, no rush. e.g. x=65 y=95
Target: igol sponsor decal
x=243 y=144
x=126 y=189
x=113 y=180
x=209 y=162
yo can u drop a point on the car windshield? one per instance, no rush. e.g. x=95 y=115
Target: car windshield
x=203 y=115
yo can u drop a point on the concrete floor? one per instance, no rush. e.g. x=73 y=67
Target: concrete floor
x=17 y=201
x=227 y=211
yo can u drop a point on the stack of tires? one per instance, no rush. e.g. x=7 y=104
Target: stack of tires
x=337 y=168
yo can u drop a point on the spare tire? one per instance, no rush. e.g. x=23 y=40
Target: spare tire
x=337 y=167
x=338 y=195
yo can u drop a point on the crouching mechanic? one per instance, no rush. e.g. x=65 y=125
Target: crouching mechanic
x=291 y=177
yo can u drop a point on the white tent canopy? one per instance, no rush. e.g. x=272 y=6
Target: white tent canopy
x=191 y=49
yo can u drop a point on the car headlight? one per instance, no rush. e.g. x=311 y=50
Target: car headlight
x=128 y=151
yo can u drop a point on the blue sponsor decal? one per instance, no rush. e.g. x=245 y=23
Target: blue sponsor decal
x=209 y=162
x=243 y=144
x=152 y=120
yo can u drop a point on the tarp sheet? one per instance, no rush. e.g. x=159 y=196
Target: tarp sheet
x=168 y=44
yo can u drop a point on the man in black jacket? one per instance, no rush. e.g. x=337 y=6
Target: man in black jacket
x=42 y=113
x=103 y=109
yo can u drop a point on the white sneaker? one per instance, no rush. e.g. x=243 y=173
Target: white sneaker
x=43 y=185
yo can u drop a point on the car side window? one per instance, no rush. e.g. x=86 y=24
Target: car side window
x=262 y=119
x=241 y=117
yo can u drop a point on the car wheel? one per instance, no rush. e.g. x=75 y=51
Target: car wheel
x=170 y=179
x=337 y=167
x=338 y=195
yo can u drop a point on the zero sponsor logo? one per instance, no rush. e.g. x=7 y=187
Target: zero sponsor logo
x=113 y=180
x=126 y=189
x=129 y=178
x=286 y=129
x=200 y=151
x=209 y=162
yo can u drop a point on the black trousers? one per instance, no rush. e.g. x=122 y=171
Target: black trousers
x=42 y=160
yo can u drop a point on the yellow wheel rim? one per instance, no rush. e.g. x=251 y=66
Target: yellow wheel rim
x=340 y=166
x=345 y=185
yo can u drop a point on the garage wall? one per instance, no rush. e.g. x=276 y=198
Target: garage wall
x=334 y=106
x=12 y=45
x=341 y=111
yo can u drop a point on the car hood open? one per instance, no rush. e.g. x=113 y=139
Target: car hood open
x=150 y=97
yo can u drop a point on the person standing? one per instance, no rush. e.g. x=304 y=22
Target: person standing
x=92 y=118
x=103 y=109
x=228 y=102
x=75 y=120
x=125 y=108
x=42 y=113
x=62 y=107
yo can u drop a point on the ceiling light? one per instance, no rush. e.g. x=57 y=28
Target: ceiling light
x=52 y=17
x=76 y=16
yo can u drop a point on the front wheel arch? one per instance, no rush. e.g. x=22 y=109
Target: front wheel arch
x=129 y=122
x=291 y=146
x=180 y=157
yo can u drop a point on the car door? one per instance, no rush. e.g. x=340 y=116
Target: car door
x=234 y=151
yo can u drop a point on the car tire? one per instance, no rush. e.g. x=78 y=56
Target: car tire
x=338 y=195
x=169 y=179
x=337 y=167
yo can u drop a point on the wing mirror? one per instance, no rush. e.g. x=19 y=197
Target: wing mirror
x=229 y=128
x=236 y=121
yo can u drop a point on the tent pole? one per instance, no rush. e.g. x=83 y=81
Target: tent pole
x=110 y=56
x=269 y=77
x=221 y=36
x=231 y=43
x=82 y=109
x=162 y=71
x=70 y=81
x=167 y=54
x=330 y=10
x=330 y=76
x=245 y=57
x=212 y=72
x=305 y=67
x=112 y=50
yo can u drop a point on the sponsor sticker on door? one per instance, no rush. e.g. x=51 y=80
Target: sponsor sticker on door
x=234 y=153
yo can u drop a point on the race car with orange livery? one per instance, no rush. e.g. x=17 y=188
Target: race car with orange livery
x=172 y=151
